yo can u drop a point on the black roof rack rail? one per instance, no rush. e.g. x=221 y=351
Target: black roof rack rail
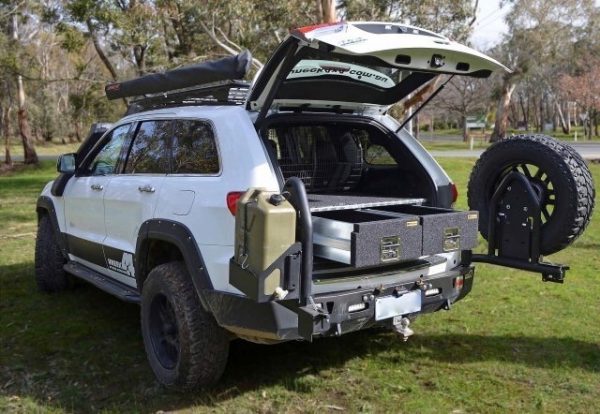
x=226 y=93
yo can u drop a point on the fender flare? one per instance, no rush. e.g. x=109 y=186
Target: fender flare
x=60 y=183
x=46 y=205
x=180 y=236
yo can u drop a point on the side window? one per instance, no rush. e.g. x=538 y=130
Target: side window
x=378 y=155
x=149 y=152
x=106 y=160
x=194 y=148
x=374 y=153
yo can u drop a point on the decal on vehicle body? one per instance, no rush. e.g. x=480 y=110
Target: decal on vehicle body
x=313 y=68
x=125 y=266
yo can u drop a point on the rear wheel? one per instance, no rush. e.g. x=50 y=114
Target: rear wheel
x=185 y=346
x=556 y=172
x=49 y=260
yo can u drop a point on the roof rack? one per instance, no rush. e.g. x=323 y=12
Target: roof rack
x=226 y=93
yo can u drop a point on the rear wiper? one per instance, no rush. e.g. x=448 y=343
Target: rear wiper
x=433 y=95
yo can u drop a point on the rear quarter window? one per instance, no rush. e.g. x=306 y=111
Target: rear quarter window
x=194 y=148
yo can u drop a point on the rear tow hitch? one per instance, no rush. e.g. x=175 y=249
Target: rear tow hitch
x=403 y=330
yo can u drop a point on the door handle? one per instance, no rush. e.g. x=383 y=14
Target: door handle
x=146 y=189
x=97 y=187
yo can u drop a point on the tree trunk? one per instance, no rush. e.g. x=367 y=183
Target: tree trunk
x=6 y=133
x=29 y=154
x=77 y=131
x=165 y=35
x=465 y=128
x=541 y=118
x=514 y=115
x=184 y=41
x=500 y=126
x=327 y=9
x=523 y=110
x=564 y=125
x=139 y=53
x=417 y=130
x=99 y=50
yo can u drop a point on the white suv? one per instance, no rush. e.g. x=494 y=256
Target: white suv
x=146 y=210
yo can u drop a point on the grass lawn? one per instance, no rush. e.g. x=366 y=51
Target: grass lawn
x=47 y=148
x=514 y=344
x=446 y=139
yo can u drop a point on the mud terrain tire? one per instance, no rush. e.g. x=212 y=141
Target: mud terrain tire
x=555 y=169
x=185 y=346
x=49 y=260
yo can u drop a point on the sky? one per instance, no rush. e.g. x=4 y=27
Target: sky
x=489 y=26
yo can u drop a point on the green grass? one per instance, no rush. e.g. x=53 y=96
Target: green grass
x=514 y=344
x=441 y=145
x=46 y=148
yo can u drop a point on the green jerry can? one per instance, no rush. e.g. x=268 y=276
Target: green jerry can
x=265 y=227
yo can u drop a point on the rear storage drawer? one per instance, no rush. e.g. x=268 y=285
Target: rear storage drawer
x=444 y=230
x=365 y=239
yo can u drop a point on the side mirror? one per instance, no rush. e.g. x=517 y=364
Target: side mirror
x=66 y=164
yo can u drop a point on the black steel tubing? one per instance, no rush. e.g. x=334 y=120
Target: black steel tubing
x=544 y=268
x=297 y=196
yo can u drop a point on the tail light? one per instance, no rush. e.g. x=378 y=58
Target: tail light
x=302 y=31
x=459 y=282
x=453 y=192
x=232 y=199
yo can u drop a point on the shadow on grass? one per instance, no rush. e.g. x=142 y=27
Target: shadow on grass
x=82 y=351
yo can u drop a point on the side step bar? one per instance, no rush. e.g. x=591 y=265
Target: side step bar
x=118 y=289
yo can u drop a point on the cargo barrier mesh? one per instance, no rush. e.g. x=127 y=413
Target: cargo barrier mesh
x=321 y=159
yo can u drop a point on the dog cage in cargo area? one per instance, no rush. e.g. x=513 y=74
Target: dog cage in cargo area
x=324 y=158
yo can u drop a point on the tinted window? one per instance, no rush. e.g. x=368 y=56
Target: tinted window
x=378 y=155
x=106 y=160
x=194 y=148
x=149 y=152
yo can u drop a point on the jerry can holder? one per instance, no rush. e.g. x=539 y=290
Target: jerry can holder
x=253 y=285
x=514 y=230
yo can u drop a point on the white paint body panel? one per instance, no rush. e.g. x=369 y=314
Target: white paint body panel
x=126 y=208
x=84 y=208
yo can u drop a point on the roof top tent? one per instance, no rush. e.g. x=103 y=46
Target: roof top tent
x=212 y=82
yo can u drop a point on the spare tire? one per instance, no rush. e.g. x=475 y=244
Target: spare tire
x=557 y=172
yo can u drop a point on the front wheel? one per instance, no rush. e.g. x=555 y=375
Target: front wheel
x=185 y=346
x=49 y=260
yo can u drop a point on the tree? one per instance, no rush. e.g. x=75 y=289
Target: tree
x=453 y=18
x=464 y=96
x=585 y=90
x=29 y=153
x=539 y=33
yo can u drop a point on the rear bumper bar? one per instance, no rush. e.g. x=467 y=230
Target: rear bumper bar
x=328 y=314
